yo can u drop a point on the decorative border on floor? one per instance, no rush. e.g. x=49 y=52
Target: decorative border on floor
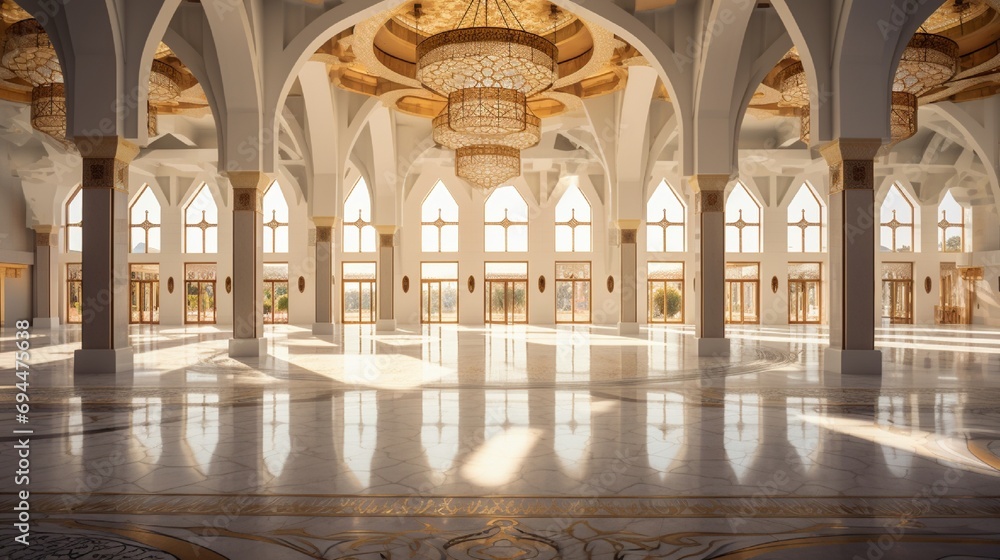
x=537 y=507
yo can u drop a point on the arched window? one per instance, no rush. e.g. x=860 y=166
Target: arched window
x=276 y=212
x=951 y=228
x=144 y=219
x=805 y=222
x=201 y=223
x=897 y=222
x=506 y=221
x=742 y=222
x=573 y=225
x=439 y=221
x=359 y=234
x=74 y=222
x=664 y=221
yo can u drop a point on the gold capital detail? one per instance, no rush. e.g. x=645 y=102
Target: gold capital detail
x=324 y=234
x=852 y=165
x=387 y=240
x=710 y=201
x=628 y=236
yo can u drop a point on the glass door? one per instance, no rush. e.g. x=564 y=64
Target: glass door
x=742 y=292
x=804 y=295
x=275 y=294
x=199 y=293
x=573 y=292
x=897 y=293
x=438 y=293
x=358 y=305
x=145 y=294
x=506 y=293
x=665 y=289
x=74 y=293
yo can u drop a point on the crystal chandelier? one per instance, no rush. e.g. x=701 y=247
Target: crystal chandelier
x=487 y=71
x=487 y=166
x=29 y=54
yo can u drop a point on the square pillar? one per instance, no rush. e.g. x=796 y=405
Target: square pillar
x=386 y=278
x=628 y=320
x=854 y=223
x=45 y=278
x=710 y=209
x=248 y=264
x=325 y=322
x=105 y=344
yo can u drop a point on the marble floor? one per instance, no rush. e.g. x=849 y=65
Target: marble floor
x=508 y=443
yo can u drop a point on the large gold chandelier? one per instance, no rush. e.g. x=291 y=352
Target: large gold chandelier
x=487 y=70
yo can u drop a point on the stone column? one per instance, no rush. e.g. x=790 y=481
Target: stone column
x=325 y=323
x=46 y=278
x=386 y=278
x=248 y=264
x=854 y=224
x=710 y=209
x=105 y=345
x=628 y=321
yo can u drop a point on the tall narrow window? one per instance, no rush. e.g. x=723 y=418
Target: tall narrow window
x=742 y=222
x=74 y=222
x=276 y=226
x=951 y=227
x=805 y=222
x=201 y=223
x=664 y=221
x=573 y=222
x=506 y=221
x=74 y=293
x=359 y=234
x=144 y=219
x=897 y=222
x=439 y=221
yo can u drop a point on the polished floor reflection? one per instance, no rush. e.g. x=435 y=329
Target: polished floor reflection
x=514 y=442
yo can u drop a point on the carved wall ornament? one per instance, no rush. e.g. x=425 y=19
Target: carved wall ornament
x=928 y=284
x=471 y=284
x=774 y=284
x=406 y=284
x=247 y=200
x=611 y=284
x=628 y=236
x=170 y=285
x=229 y=284
x=302 y=284
x=324 y=234
x=387 y=240
x=710 y=201
x=541 y=284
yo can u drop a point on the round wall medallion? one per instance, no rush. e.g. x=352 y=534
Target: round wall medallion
x=928 y=284
x=541 y=284
x=611 y=284
x=774 y=284
x=302 y=284
x=406 y=284
x=170 y=285
x=229 y=284
x=471 y=284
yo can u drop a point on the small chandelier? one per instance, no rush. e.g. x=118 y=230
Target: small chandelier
x=164 y=84
x=29 y=54
x=487 y=166
x=448 y=137
x=48 y=112
x=928 y=61
x=792 y=84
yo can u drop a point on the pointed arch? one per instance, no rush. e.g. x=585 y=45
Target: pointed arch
x=201 y=222
x=506 y=221
x=439 y=221
x=574 y=221
x=276 y=214
x=144 y=222
x=73 y=217
x=897 y=218
x=806 y=222
x=954 y=221
x=743 y=221
x=359 y=234
x=665 y=221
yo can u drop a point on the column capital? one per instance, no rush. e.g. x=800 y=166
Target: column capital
x=708 y=182
x=387 y=235
x=248 y=190
x=325 y=221
x=106 y=147
x=851 y=161
x=44 y=236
